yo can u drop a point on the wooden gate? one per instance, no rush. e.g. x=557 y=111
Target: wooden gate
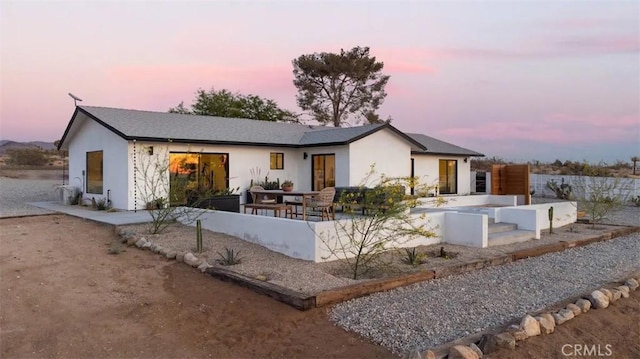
x=512 y=180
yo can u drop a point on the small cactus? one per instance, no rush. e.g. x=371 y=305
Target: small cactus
x=199 y=236
x=551 y=219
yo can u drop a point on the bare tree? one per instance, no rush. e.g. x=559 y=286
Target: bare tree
x=599 y=196
x=158 y=189
x=376 y=219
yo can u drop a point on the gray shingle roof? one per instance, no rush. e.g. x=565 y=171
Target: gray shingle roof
x=435 y=146
x=162 y=126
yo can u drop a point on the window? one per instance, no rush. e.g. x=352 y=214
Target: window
x=323 y=171
x=448 y=177
x=197 y=171
x=277 y=161
x=94 y=172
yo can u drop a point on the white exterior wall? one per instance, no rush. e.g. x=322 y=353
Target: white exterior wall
x=241 y=160
x=390 y=153
x=92 y=136
x=342 y=164
x=427 y=169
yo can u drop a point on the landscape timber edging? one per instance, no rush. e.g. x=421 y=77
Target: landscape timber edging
x=303 y=301
x=295 y=299
x=342 y=294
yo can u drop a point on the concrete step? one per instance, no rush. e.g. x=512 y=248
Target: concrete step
x=501 y=227
x=515 y=236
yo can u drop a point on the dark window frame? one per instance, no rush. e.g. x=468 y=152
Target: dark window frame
x=279 y=160
x=447 y=175
x=89 y=189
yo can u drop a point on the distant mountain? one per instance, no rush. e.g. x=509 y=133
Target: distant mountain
x=8 y=145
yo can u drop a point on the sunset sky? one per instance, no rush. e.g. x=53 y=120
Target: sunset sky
x=521 y=80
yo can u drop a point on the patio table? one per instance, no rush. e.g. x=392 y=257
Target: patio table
x=277 y=192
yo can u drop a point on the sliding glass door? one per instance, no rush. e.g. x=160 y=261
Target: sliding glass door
x=323 y=171
x=197 y=171
x=448 y=177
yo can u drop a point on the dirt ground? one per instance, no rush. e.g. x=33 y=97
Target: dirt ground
x=63 y=295
x=606 y=333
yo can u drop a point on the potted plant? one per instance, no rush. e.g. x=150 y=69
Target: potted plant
x=266 y=184
x=287 y=186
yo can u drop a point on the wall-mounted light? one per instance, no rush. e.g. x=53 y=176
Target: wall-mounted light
x=150 y=150
x=304 y=156
x=466 y=159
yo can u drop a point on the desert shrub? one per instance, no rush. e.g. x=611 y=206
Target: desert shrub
x=562 y=191
x=229 y=257
x=100 y=204
x=599 y=196
x=26 y=157
x=375 y=219
x=413 y=257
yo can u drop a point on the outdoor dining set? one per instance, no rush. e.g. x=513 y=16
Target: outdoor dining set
x=311 y=203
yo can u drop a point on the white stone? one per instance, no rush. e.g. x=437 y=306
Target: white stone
x=575 y=309
x=476 y=349
x=616 y=295
x=203 y=266
x=632 y=284
x=190 y=259
x=624 y=290
x=141 y=242
x=607 y=292
x=462 y=352
x=584 y=305
x=546 y=326
x=530 y=325
x=563 y=316
x=598 y=299
x=549 y=317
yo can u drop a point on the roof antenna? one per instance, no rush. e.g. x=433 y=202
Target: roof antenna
x=75 y=99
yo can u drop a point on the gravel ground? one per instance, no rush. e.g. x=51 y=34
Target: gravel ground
x=432 y=313
x=420 y=316
x=16 y=193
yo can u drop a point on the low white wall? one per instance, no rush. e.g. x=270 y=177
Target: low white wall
x=290 y=237
x=536 y=217
x=300 y=239
x=312 y=240
x=466 y=229
x=471 y=200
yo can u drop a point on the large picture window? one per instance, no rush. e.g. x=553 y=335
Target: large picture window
x=94 y=172
x=197 y=171
x=277 y=161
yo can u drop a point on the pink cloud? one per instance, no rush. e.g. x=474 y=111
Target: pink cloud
x=598 y=45
x=269 y=82
x=407 y=68
x=556 y=128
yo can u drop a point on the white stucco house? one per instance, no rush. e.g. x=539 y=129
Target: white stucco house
x=109 y=147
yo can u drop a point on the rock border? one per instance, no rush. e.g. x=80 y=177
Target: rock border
x=303 y=301
x=533 y=324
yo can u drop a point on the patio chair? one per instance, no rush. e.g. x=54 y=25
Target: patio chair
x=323 y=202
